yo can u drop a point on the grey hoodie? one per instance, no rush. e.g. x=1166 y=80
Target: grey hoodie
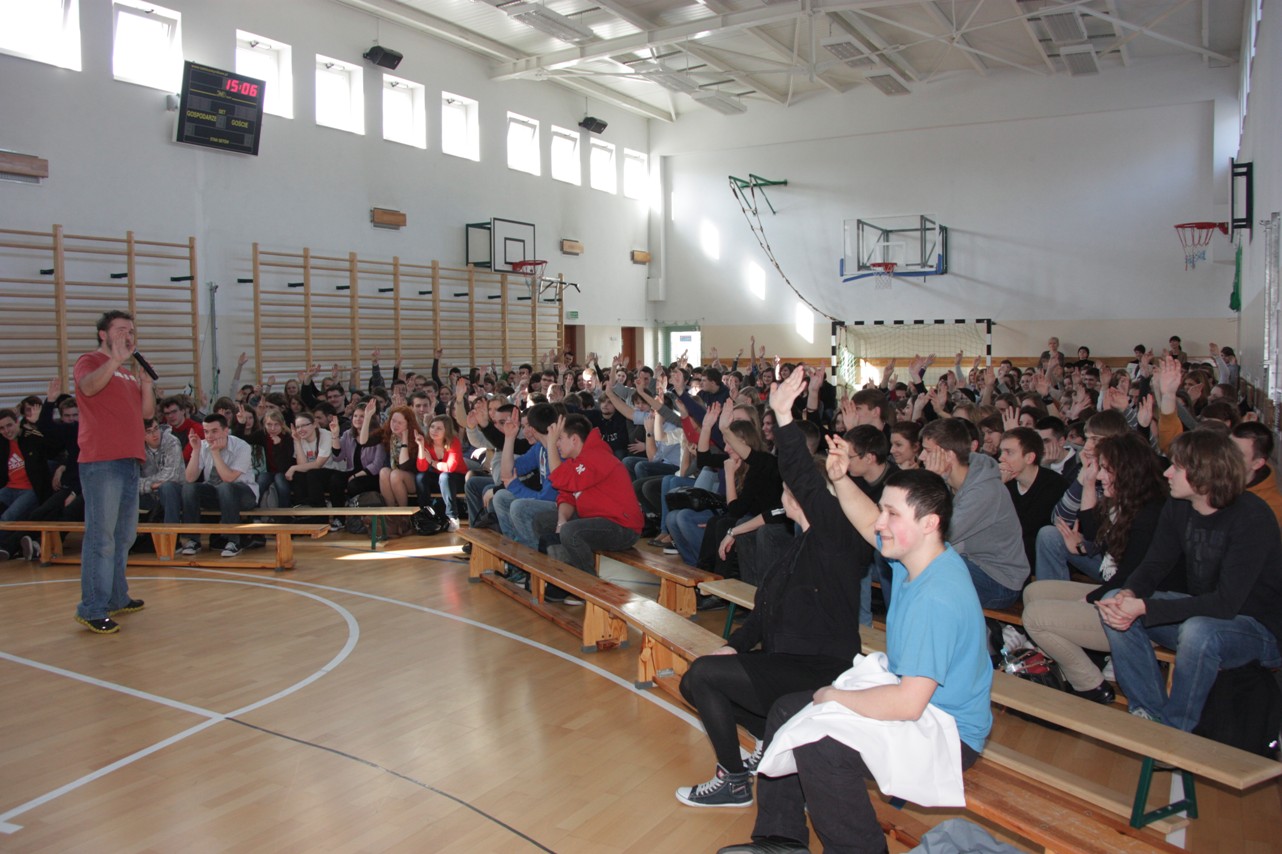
x=985 y=528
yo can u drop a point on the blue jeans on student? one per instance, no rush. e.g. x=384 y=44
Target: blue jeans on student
x=686 y=527
x=168 y=500
x=268 y=479
x=523 y=519
x=1054 y=561
x=110 y=490
x=446 y=483
x=229 y=498
x=474 y=491
x=1203 y=647
x=991 y=594
x=19 y=503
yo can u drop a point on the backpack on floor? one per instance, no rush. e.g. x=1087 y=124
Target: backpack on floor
x=1244 y=710
x=361 y=524
x=431 y=519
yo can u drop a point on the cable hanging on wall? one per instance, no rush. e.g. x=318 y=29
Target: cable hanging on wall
x=745 y=192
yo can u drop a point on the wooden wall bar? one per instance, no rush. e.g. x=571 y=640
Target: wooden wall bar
x=317 y=309
x=55 y=285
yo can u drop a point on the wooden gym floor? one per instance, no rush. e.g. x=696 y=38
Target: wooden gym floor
x=374 y=702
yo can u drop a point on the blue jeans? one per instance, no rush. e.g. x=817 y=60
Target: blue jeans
x=991 y=594
x=706 y=479
x=229 y=498
x=446 y=483
x=474 y=490
x=110 y=489
x=19 y=503
x=1203 y=647
x=267 y=480
x=581 y=538
x=168 y=499
x=1054 y=561
x=687 y=529
x=519 y=518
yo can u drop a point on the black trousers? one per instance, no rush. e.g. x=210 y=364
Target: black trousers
x=830 y=783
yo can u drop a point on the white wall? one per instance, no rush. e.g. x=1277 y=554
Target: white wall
x=1060 y=196
x=1260 y=147
x=113 y=165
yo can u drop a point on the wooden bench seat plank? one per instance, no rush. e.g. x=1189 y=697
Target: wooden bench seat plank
x=677 y=579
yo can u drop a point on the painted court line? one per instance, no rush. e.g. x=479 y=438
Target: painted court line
x=353 y=635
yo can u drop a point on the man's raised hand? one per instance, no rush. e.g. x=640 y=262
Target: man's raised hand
x=782 y=396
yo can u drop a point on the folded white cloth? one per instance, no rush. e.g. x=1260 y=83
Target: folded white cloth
x=919 y=761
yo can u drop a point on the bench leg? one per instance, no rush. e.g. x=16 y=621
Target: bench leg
x=50 y=546
x=284 y=551
x=602 y=630
x=1140 y=818
x=730 y=606
x=657 y=660
x=678 y=598
x=166 y=545
x=482 y=561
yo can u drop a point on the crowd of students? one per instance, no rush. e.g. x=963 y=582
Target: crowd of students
x=1153 y=481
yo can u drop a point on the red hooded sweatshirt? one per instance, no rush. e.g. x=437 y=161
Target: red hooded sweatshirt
x=597 y=485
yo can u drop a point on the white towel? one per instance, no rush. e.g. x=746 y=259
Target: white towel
x=919 y=761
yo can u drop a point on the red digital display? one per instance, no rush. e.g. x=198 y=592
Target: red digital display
x=241 y=87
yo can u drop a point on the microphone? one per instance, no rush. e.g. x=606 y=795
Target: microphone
x=145 y=365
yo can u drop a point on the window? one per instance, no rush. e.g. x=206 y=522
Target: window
x=340 y=97
x=805 y=322
x=603 y=175
x=523 y=144
x=404 y=112
x=567 y=165
x=270 y=61
x=44 y=30
x=148 y=45
x=636 y=174
x=460 y=129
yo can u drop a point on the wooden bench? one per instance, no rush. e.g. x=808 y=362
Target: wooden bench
x=165 y=538
x=376 y=512
x=678 y=580
x=1193 y=755
x=739 y=594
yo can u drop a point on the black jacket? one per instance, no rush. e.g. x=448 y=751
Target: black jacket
x=808 y=603
x=35 y=450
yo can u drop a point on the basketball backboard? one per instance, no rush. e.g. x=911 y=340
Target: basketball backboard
x=915 y=243
x=499 y=243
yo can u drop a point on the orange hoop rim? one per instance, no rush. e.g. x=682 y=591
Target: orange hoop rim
x=522 y=266
x=1205 y=226
x=884 y=266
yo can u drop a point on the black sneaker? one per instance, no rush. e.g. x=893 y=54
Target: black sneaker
x=106 y=626
x=723 y=790
x=134 y=605
x=750 y=763
x=30 y=548
x=467 y=548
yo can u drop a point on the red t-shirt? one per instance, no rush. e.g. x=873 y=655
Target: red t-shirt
x=17 y=468
x=111 y=420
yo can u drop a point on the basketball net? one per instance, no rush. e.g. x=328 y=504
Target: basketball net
x=1195 y=237
x=885 y=275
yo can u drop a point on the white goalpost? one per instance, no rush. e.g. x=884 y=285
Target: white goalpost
x=861 y=349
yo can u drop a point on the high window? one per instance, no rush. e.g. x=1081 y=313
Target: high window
x=567 y=164
x=404 y=111
x=460 y=127
x=43 y=30
x=147 y=45
x=270 y=61
x=603 y=174
x=523 y=144
x=340 y=96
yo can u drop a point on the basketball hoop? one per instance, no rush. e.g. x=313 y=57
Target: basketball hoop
x=532 y=270
x=1195 y=237
x=884 y=274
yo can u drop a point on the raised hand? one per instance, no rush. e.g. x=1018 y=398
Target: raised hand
x=555 y=429
x=438 y=352
x=838 y=461
x=711 y=416
x=374 y=355
x=370 y=409
x=55 y=388
x=511 y=427
x=1166 y=376
x=1144 y=415
x=242 y=359
x=1010 y=418
x=334 y=425
x=782 y=396
x=1115 y=398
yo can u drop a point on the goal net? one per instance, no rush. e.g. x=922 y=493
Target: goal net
x=864 y=347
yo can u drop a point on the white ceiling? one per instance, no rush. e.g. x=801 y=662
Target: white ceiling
x=661 y=58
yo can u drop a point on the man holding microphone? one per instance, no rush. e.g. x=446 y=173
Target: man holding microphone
x=113 y=403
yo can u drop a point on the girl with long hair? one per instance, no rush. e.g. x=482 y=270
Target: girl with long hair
x=400 y=438
x=440 y=458
x=1060 y=616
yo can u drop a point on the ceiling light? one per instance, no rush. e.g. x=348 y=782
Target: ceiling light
x=848 y=51
x=887 y=84
x=1064 y=27
x=544 y=20
x=1080 y=60
x=722 y=103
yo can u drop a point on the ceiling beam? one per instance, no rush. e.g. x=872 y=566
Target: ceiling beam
x=933 y=10
x=1144 y=28
x=895 y=62
x=685 y=31
x=702 y=54
x=1127 y=25
x=934 y=37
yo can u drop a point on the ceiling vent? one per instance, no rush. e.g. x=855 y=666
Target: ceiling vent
x=848 y=51
x=1080 y=60
x=1064 y=27
x=727 y=105
x=887 y=84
